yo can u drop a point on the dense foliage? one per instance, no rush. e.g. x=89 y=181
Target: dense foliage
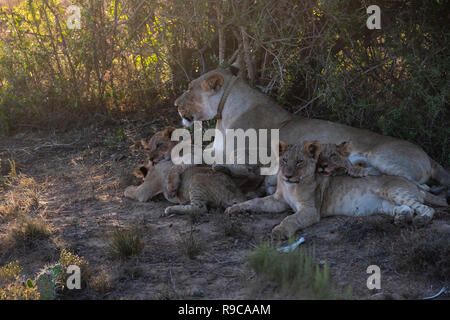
x=316 y=57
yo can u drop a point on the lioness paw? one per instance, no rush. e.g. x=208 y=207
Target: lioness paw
x=279 y=232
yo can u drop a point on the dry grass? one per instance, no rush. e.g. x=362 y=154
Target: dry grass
x=29 y=231
x=421 y=252
x=190 y=244
x=21 y=194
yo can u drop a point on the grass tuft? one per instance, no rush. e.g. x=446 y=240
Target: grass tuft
x=295 y=273
x=190 y=245
x=125 y=244
x=28 y=231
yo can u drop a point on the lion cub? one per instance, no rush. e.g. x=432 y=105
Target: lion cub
x=333 y=160
x=313 y=196
x=200 y=186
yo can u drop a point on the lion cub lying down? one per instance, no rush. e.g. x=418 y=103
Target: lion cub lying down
x=312 y=195
x=199 y=186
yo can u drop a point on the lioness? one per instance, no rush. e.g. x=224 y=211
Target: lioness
x=312 y=195
x=219 y=94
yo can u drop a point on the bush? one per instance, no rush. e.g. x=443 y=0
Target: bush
x=317 y=58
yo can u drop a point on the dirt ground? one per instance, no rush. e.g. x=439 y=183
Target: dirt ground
x=84 y=172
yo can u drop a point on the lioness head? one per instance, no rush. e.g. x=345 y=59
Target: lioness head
x=159 y=146
x=201 y=100
x=299 y=161
x=334 y=157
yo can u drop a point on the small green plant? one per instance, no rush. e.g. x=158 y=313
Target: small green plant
x=18 y=291
x=10 y=272
x=190 y=245
x=295 y=272
x=111 y=142
x=125 y=244
x=11 y=288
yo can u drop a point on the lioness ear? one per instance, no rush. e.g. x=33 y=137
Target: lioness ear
x=313 y=148
x=282 y=147
x=344 y=148
x=167 y=132
x=214 y=83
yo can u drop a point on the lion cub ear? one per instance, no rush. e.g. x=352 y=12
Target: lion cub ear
x=213 y=83
x=313 y=148
x=167 y=132
x=344 y=148
x=144 y=144
x=282 y=147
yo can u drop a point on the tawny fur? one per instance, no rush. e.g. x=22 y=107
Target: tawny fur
x=200 y=186
x=247 y=108
x=313 y=196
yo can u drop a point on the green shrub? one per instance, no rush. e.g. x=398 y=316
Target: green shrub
x=295 y=273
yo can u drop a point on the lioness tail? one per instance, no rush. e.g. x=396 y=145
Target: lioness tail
x=434 y=200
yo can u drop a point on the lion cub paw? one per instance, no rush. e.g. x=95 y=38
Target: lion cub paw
x=233 y=209
x=130 y=192
x=358 y=172
x=403 y=215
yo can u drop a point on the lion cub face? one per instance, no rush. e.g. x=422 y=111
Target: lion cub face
x=333 y=160
x=159 y=146
x=334 y=157
x=194 y=104
x=298 y=162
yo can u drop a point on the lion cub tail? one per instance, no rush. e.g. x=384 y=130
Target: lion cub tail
x=434 y=200
x=439 y=174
